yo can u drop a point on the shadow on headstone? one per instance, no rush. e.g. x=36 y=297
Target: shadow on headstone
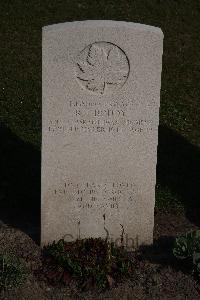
x=19 y=184
x=178 y=168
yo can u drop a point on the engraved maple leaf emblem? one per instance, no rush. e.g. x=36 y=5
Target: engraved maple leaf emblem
x=103 y=67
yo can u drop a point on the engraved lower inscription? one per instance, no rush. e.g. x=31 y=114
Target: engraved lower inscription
x=88 y=195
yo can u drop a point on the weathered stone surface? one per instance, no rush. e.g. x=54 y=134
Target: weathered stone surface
x=101 y=94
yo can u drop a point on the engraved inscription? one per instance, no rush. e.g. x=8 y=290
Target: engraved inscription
x=88 y=195
x=101 y=126
x=101 y=118
x=102 y=67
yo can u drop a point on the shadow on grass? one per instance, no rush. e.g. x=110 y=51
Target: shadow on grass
x=178 y=168
x=19 y=184
x=160 y=252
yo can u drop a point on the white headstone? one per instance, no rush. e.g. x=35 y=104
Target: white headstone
x=101 y=95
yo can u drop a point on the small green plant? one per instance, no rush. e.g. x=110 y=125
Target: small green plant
x=12 y=272
x=187 y=247
x=92 y=262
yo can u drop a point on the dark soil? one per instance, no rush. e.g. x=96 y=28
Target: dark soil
x=157 y=274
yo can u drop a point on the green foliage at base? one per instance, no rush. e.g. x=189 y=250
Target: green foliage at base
x=12 y=272
x=92 y=262
x=187 y=248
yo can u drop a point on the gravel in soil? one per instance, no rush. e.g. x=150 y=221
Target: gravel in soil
x=157 y=274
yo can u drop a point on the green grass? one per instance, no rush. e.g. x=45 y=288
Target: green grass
x=166 y=199
x=20 y=57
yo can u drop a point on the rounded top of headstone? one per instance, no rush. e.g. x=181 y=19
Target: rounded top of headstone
x=104 y=23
